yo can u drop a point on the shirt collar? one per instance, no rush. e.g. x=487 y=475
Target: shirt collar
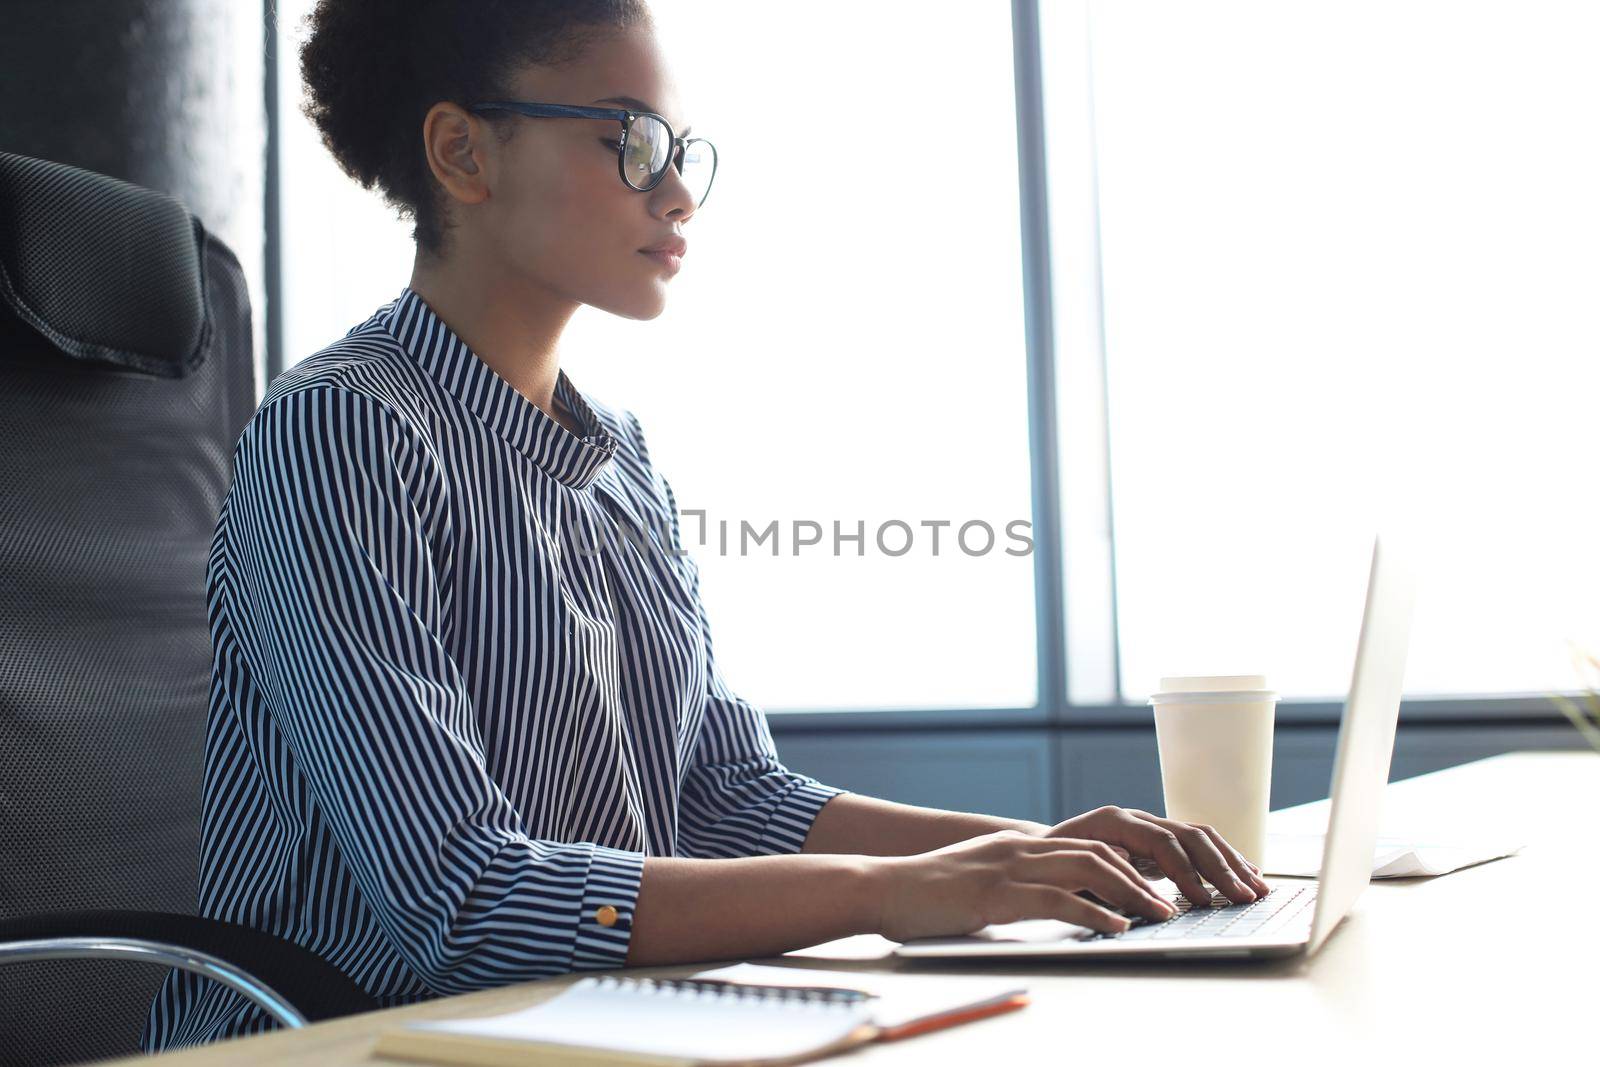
x=573 y=461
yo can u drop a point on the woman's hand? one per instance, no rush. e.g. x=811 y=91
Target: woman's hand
x=1006 y=876
x=1184 y=852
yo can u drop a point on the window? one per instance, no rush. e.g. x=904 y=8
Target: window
x=845 y=344
x=1349 y=257
x=1316 y=270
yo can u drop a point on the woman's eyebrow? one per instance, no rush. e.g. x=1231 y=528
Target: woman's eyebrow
x=638 y=105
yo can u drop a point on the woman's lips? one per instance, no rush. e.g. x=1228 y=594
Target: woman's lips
x=667 y=260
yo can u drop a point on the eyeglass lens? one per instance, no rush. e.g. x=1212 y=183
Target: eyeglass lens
x=646 y=151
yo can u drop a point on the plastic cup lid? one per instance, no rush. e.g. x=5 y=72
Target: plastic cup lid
x=1212 y=689
x=1212 y=696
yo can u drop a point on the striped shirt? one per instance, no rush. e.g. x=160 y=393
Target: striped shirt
x=462 y=683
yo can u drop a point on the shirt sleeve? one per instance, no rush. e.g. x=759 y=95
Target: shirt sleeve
x=336 y=517
x=737 y=798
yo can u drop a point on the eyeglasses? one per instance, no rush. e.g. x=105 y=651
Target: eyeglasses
x=647 y=148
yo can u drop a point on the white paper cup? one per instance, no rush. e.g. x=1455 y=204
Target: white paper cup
x=1214 y=736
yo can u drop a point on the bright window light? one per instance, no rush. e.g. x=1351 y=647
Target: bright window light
x=844 y=345
x=1350 y=255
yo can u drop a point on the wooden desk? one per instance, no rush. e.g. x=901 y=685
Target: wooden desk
x=1421 y=967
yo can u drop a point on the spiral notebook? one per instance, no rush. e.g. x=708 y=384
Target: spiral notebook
x=679 y=1022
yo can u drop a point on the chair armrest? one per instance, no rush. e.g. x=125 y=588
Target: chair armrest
x=256 y=964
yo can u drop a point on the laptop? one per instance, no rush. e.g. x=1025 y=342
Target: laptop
x=1297 y=916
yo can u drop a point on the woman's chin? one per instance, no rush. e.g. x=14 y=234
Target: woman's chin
x=643 y=305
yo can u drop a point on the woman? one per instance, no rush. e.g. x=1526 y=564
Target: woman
x=466 y=725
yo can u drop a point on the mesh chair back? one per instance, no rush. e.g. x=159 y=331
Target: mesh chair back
x=126 y=376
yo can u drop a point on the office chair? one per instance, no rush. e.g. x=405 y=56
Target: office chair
x=126 y=377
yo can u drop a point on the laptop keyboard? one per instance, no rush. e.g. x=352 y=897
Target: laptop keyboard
x=1282 y=907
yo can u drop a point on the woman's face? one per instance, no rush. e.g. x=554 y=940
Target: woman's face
x=557 y=214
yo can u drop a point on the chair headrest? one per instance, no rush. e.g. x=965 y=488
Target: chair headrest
x=107 y=271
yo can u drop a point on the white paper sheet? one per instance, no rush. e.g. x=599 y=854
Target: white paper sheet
x=1300 y=856
x=902 y=998
x=592 y=1014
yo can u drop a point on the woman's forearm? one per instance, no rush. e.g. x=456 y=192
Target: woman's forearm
x=715 y=909
x=854 y=824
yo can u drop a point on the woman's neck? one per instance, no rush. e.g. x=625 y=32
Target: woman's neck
x=511 y=325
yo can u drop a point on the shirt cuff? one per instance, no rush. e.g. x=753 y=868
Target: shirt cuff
x=793 y=814
x=605 y=921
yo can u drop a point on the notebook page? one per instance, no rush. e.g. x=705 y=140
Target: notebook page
x=630 y=1016
x=900 y=998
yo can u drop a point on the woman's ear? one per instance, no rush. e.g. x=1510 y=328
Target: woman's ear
x=456 y=146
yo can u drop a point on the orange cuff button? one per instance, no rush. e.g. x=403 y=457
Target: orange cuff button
x=606 y=915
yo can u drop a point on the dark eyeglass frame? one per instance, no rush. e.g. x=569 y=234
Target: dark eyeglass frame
x=679 y=145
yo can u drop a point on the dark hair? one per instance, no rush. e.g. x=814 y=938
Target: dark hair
x=373 y=68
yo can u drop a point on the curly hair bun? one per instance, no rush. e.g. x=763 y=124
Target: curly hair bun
x=373 y=68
